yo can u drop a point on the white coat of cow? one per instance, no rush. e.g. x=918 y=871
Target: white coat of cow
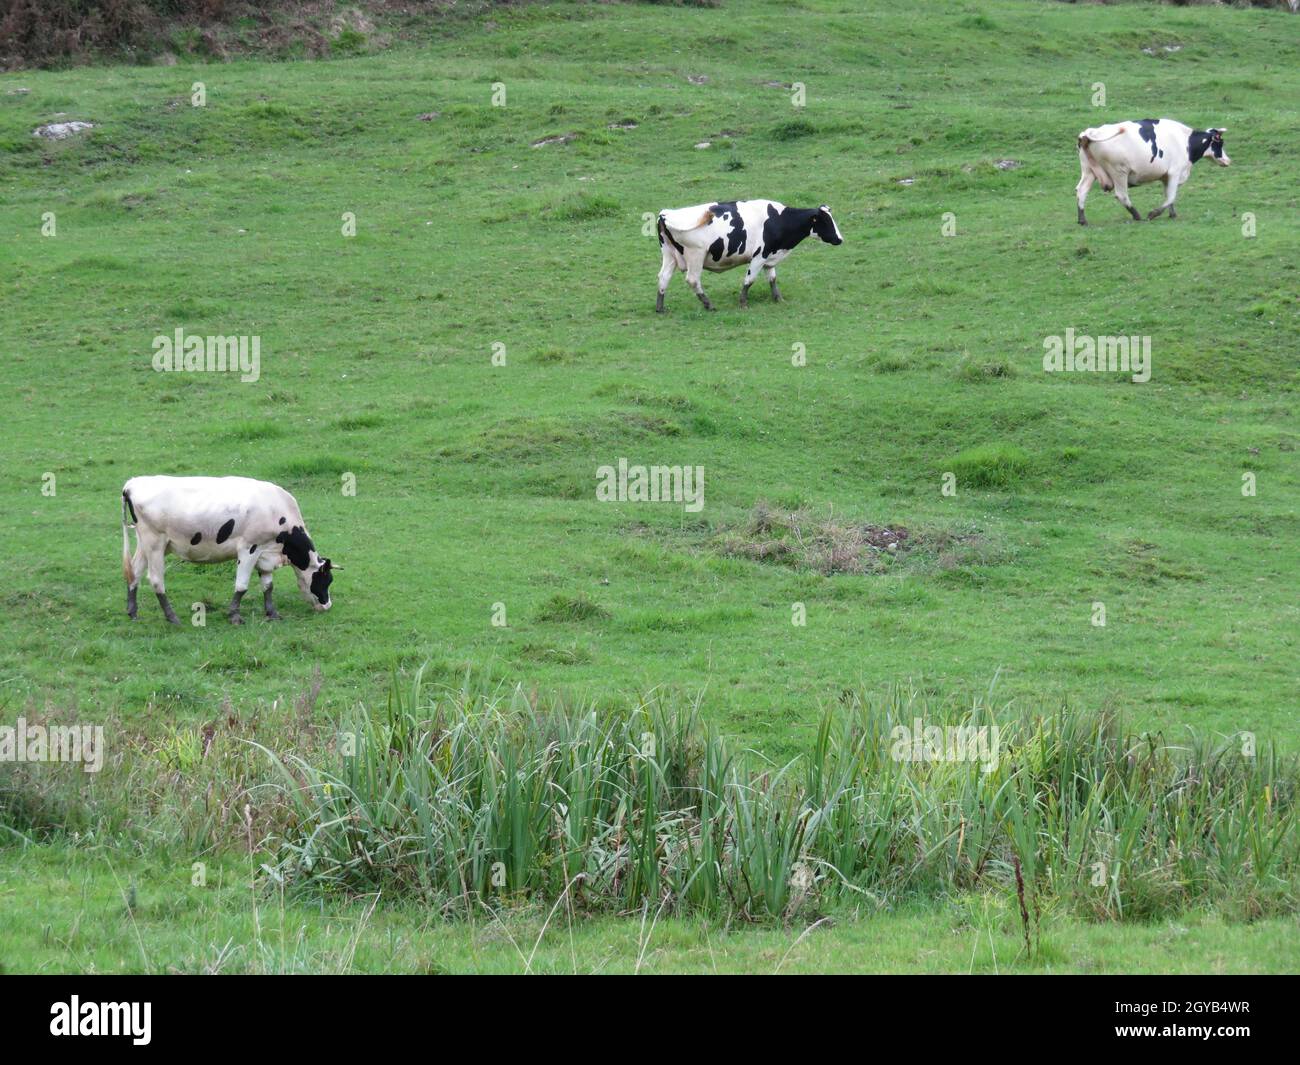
x=1123 y=154
x=256 y=524
x=720 y=236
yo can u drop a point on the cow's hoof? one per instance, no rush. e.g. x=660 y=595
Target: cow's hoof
x=236 y=619
x=1152 y=215
x=173 y=621
x=274 y=617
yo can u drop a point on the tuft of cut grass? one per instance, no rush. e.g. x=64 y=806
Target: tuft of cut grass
x=794 y=129
x=352 y=422
x=584 y=207
x=571 y=608
x=325 y=465
x=997 y=465
x=249 y=431
x=976 y=371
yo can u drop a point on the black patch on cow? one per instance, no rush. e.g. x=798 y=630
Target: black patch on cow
x=1147 y=128
x=195 y=538
x=252 y=549
x=129 y=506
x=736 y=235
x=223 y=534
x=320 y=582
x=297 y=546
x=282 y=521
x=716 y=249
x=783 y=230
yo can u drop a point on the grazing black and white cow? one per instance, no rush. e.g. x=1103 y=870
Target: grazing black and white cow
x=218 y=519
x=720 y=236
x=1132 y=153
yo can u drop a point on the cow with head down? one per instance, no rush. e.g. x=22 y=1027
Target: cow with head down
x=255 y=524
x=756 y=234
x=1133 y=153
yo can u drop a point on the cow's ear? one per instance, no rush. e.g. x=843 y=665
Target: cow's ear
x=824 y=209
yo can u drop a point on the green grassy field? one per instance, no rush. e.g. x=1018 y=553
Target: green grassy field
x=475 y=482
x=81 y=922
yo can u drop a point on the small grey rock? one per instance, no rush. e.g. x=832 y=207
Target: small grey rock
x=57 y=131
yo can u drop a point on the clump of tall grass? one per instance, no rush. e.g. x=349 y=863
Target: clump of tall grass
x=468 y=797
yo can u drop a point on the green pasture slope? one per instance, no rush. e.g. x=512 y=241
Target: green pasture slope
x=475 y=482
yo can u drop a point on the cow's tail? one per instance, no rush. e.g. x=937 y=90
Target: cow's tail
x=1086 y=158
x=128 y=511
x=670 y=245
x=1089 y=136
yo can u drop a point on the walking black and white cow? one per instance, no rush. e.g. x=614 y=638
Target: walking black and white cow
x=219 y=519
x=720 y=236
x=1132 y=153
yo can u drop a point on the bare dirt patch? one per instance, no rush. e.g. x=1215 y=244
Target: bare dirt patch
x=828 y=544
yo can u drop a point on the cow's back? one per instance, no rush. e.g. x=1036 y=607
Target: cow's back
x=164 y=500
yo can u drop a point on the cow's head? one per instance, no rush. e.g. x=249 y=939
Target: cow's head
x=314 y=572
x=315 y=582
x=1209 y=145
x=1216 y=151
x=824 y=226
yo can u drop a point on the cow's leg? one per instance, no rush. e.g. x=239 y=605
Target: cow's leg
x=135 y=570
x=751 y=275
x=666 y=270
x=1171 y=191
x=1121 y=194
x=771 y=280
x=243 y=572
x=154 y=556
x=1081 y=190
x=267 y=602
x=694 y=268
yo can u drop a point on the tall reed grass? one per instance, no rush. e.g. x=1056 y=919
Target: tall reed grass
x=469 y=797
